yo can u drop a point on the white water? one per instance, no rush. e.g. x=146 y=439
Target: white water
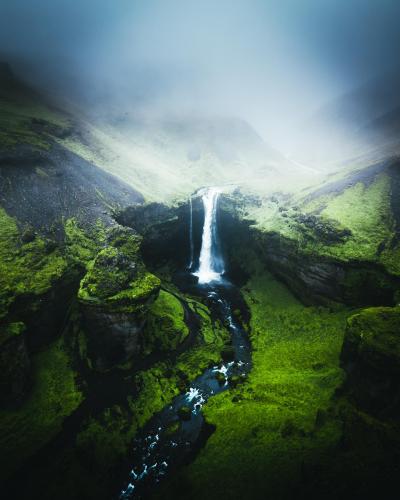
x=191 y=235
x=210 y=263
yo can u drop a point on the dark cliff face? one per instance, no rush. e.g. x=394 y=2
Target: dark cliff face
x=165 y=231
x=320 y=279
x=313 y=278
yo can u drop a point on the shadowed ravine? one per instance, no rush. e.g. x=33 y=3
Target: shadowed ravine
x=163 y=445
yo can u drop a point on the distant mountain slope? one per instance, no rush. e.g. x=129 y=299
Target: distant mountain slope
x=163 y=158
x=170 y=158
x=41 y=181
x=363 y=122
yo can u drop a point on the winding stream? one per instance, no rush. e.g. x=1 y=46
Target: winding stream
x=157 y=450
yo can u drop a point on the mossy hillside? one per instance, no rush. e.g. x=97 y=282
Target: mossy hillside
x=117 y=279
x=355 y=224
x=375 y=333
x=271 y=425
x=26 y=120
x=83 y=243
x=165 y=326
x=371 y=358
x=54 y=396
x=26 y=268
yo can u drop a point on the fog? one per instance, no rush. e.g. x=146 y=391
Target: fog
x=272 y=62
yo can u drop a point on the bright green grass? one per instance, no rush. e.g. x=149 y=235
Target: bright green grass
x=54 y=396
x=165 y=328
x=116 y=279
x=267 y=427
x=364 y=210
x=81 y=245
x=25 y=268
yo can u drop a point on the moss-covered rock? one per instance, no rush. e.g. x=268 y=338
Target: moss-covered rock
x=37 y=284
x=26 y=268
x=115 y=296
x=165 y=328
x=371 y=358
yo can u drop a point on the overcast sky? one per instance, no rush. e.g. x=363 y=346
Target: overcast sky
x=271 y=61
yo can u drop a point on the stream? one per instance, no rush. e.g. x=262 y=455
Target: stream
x=157 y=450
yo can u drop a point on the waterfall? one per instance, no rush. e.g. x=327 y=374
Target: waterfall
x=211 y=265
x=191 y=235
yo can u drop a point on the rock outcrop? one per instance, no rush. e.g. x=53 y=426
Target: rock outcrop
x=115 y=296
x=312 y=276
x=371 y=359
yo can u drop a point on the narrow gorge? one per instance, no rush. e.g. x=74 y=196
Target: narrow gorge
x=177 y=431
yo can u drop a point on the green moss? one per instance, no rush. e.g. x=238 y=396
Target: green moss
x=375 y=332
x=25 y=268
x=104 y=441
x=117 y=279
x=361 y=213
x=270 y=422
x=166 y=327
x=366 y=212
x=53 y=397
x=82 y=245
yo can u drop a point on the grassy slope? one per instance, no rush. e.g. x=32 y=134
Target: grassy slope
x=364 y=209
x=53 y=397
x=268 y=427
x=169 y=162
x=27 y=120
x=45 y=264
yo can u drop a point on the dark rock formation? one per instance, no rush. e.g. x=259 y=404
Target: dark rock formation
x=371 y=359
x=321 y=279
x=113 y=337
x=184 y=413
x=165 y=231
x=14 y=365
x=115 y=296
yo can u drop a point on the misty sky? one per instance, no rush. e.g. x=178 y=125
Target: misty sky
x=271 y=61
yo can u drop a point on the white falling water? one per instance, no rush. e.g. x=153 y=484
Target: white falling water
x=191 y=235
x=210 y=263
